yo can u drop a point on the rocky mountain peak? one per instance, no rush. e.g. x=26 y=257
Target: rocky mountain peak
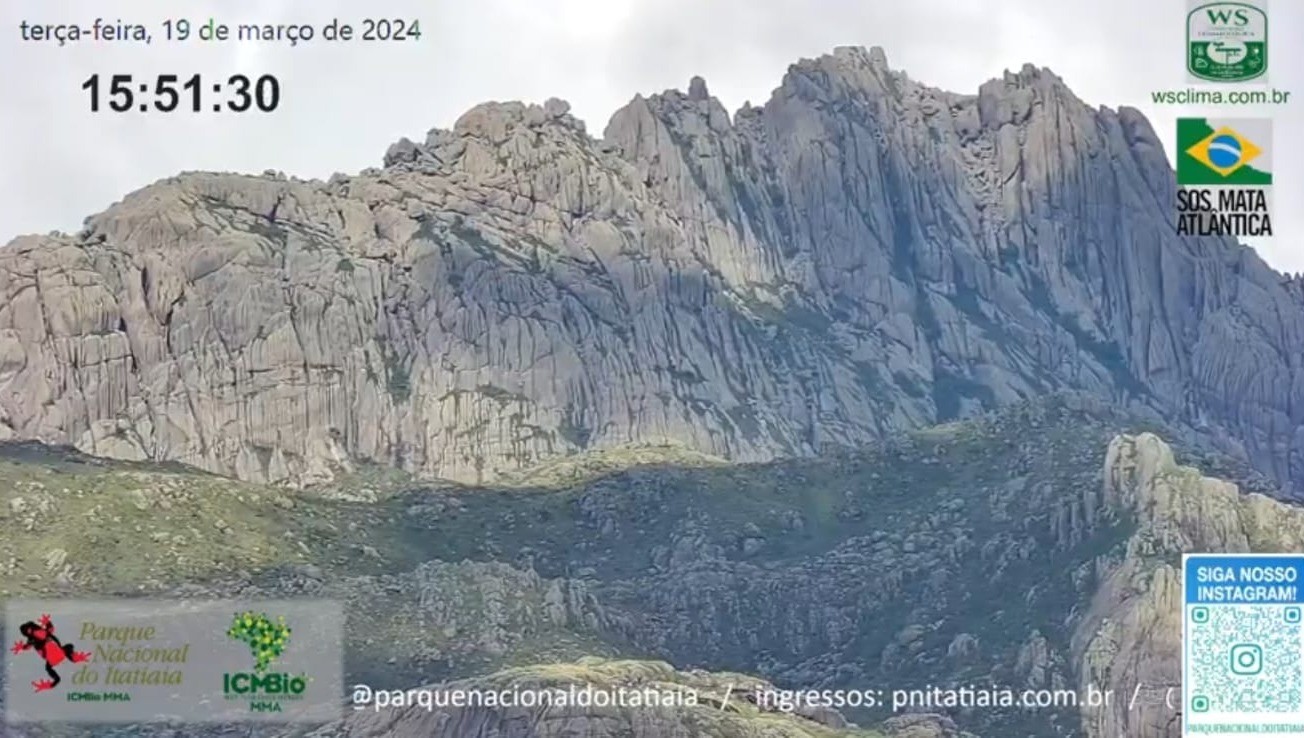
x=632 y=129
x=697 y=89
x=860 y=254
x=872 y=58
x=1011 y=98
x=850 y=64
x=494 y=120
x=493 y=124
x=849 y=73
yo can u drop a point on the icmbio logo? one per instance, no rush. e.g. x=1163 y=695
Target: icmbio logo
x=267 y=640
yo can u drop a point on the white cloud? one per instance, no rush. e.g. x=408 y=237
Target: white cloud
x=343 y=104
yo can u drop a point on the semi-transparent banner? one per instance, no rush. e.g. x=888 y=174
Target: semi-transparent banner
x=175 y=661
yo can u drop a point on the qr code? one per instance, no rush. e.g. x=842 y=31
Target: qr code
x=1244 y=658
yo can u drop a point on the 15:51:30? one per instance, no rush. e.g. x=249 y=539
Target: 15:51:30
x=166 y=93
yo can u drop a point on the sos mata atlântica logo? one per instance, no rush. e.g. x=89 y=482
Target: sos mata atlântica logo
x=1224 y=177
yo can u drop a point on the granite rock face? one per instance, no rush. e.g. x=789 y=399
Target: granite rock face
x=861 y=254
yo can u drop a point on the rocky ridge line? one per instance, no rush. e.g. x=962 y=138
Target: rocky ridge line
x=861 y=254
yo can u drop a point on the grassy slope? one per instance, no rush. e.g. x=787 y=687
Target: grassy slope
x=76 y=524
x=83 y=526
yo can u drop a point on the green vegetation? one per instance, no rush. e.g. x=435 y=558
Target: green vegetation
x=936 y=555
x=565 y=472
x=74 y=523
x=397 y=379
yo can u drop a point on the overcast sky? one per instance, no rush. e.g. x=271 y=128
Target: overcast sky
x=343 y=104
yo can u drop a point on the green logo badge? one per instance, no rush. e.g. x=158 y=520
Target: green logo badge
x=1228 y=41
x=265 y=637
x=262 y=688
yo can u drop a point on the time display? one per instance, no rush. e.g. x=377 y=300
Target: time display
x=166 y=93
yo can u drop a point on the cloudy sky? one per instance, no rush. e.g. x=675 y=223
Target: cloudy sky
x=344 y=103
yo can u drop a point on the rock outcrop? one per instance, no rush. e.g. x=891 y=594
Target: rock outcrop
x=860 y=254
x=1130 y=639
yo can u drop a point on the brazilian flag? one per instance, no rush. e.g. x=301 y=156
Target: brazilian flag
x=1221 y=154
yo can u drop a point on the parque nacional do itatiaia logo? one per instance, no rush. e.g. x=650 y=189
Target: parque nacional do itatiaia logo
x=38 y=636
x=1227 y=41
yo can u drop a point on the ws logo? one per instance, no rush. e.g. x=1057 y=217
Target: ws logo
x=1227 y=41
